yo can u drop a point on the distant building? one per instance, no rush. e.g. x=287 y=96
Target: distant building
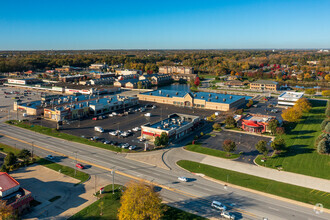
x=102 y=81
x=98 y=66
x=30 y=81
x=289 y=98
x=264 y=85
x=120 y=72
x=255 y=123
x=103 y=75
x=72 y=78
x=234 y=83
x=12 y=193
x=313 y=62
x=157 y=79
x=176 y=70
x=175 y=126
x=230 y=78
x=66 y=69
x=184 y=77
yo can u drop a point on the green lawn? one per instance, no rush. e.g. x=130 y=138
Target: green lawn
x=301 y=156
x=112 y=203
x=204 y=150
x=207 y=76
x=53 y=132
x=64 y=169
x=289 y=191
x=6 y=149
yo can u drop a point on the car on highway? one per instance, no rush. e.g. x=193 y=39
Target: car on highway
x=227 y=215
x=218 y=205
x=80 y=166
x=182 y=179
x=50 y=157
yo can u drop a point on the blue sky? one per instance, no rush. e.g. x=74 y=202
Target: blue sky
x=181 y=24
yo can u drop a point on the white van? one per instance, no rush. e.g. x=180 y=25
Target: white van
x=98 y=129
x=218 y=205
x=25 y=114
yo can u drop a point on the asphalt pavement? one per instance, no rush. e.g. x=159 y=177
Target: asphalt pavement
x=195 y=195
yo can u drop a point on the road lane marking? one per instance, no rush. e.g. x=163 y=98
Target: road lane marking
x=127 y=175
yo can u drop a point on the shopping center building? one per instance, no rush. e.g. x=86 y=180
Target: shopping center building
x=213 y=101
x=289 y=98
x=175 y=126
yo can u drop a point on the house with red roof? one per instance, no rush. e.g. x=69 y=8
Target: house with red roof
x=13 y=194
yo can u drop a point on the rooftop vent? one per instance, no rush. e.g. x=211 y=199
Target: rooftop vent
x=160 y=91
x=167 y=95
x=202 y=97
x=224 y=100
x=195 y=95
x=230 y=97
x=209 y=100
x=210 y=95
x=176 y=93
x=150 y=93
x=216 y=97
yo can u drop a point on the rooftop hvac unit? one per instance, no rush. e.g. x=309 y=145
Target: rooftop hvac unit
x=176 y=93
x=202 y=97
x=160 y=91
x=230 y=97
x=195 y=95
x=209 y=95
x=167 y=95
x=216 y=97
x=159 y=127
x=97 y=101
x=76 y=99
x=224 y=100
x=209 y=100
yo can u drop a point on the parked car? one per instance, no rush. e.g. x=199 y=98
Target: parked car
x=228 y=215
x=99 y=129
x=80 y=166
x=218 y=205
x=142 y=139
x=111 y=115
x=95 y=118
x=182 y=178
x=106 y=142
x=50 y=157
x=124 y=134
x=154 y=107
x=113 y=133
x=147 y=114
x=132 y=147
x=94 y=138
x=125 y=145
x=114 y=113
x=136 y=129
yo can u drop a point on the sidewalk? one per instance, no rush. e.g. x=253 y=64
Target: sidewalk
x=268 y=173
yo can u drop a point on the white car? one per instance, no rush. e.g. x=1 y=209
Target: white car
x=228 y=215
x=132 y=147
x=147 y=114
x=218 y=205
x=114 y=113
x=110 y=115
x=113 y=133
x=182 y=179
x=136 y=129
x=124 y=134
x=106 y=142
x=154 y=107
x=125 y=145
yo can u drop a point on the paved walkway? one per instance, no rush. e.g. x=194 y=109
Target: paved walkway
x=174 y=155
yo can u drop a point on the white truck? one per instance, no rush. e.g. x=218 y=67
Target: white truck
x=99 y=129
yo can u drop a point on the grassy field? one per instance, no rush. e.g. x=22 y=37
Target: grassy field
x=213 y=152
x=64 y=169
x=301 y=156
x=257 y=183
x=53 y=132
x=6 y=149
x=112 y=203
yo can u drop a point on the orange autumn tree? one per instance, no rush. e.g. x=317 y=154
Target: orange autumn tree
x=139 y=201
x=6 y=212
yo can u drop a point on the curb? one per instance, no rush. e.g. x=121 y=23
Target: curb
x=306 y=205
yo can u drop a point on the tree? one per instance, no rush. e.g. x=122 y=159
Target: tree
x=229 y=146
x=197 y=81
x=24 y=154
x=164 y=139
x=310 y=91
x=139 y=202
x=280 y=130
x=291 y=114
x=10 y=159
x=273 y=124
x=303 y=104
x=327 y=77
x=278 y=144
x=157 y=141
x=326 y=93
x=324 y=123
x=261 y=146
x=6 y=212
x=216 y=126
x=139 y=85
x=323 y=146
x=230 y=122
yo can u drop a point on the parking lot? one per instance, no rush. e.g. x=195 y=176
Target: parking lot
x=245 y=143
x=85 y=127
x=263 y=107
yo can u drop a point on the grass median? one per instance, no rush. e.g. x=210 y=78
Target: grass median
x=6 y=149
x=82 y=176
x=285 y=190
x=111 y=204
x=209 y=151
x=54 y=133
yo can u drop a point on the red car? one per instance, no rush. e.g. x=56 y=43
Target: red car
x=80 y=166
x=95 y=118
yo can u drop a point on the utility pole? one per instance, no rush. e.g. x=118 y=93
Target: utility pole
x=32 y=148
x=95 y=185
x=75 y=170
x=113 y=181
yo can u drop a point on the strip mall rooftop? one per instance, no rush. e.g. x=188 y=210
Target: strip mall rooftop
x=214 y=101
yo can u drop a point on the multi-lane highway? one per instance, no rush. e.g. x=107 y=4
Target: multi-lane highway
x=195 y=195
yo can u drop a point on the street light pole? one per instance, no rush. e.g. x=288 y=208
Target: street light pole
x=113 y=181
x=32 y=148
x=75 y=170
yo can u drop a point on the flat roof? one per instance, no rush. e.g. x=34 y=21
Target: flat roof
x=292 y=95
x=258 y=118
x=173 y=122
x=209 y=97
